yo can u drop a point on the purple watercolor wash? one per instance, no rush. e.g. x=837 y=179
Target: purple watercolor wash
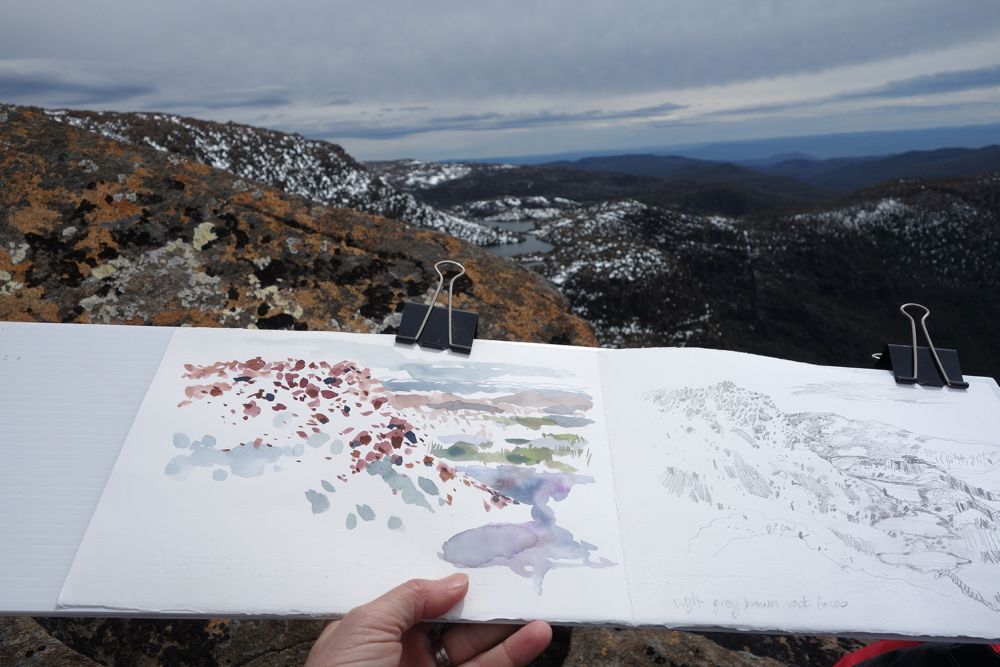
x=529 y=549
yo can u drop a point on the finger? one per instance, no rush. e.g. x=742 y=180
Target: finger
x=517 y=650
x=467 y=641
x=406 y=605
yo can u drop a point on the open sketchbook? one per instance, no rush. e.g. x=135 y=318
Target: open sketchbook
x=306 y=473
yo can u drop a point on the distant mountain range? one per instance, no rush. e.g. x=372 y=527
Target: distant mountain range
x=793 y=174
x=845 y=174
x=782 y=183
x=819 y=146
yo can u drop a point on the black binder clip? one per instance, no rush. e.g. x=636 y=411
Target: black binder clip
x=928 y=366
x=440 y=328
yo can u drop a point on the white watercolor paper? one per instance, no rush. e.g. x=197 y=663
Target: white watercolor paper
x=276 y=473
x=766 y=494
x=269 y=473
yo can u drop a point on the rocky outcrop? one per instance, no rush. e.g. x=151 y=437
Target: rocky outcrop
x=97 y=230
x=26 y=643
x=645 y=646
x=311 y=168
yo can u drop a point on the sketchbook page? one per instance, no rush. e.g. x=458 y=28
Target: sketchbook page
x=307 y=473
x=757 y=493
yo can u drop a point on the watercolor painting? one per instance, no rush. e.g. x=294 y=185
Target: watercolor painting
x=870 y=497
x=435 y=434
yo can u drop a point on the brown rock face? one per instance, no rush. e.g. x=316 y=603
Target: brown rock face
x=645 y=646
x=24 y=642
x=654 y=647
x=92 y=230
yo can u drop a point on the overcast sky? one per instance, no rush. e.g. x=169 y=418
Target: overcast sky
x=432 y=79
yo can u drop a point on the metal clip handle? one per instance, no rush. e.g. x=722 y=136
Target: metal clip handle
x=437 y=292
x=937 y=360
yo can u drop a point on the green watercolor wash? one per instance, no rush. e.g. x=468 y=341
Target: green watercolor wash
x=535 y=423
x=467 y=452
x=536 y=455
x=327 y=486
x=530 y=456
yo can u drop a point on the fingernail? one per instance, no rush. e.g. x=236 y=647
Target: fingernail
x=456 y=581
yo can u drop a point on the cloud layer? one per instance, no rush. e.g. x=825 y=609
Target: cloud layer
x=420 y=74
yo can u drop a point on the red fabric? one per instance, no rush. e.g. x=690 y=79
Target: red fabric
x=872 y=650
x=880 y=647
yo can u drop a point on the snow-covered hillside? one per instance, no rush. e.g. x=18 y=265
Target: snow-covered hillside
x=816 y=283
x=314 y=169
x=420 y=175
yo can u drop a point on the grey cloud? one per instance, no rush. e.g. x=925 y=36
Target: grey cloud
x=530 y=57
x=265 y=97
x=504 y=121
x=272 y=100
x=47 y=89
x=940 y=83
x=932 y=84
x=416 y=52
x=491 y=121
x=776 y=107
x=410 y=109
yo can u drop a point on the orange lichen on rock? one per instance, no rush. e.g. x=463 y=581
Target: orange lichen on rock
x=121 y=233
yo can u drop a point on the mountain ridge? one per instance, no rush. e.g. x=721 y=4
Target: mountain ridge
x=820 y=146
x=97 y=230
x=802 y=176
x=316 y=169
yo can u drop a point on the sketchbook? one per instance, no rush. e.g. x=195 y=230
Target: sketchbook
x=277 y=473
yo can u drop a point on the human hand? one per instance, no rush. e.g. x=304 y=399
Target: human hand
x=388 y=633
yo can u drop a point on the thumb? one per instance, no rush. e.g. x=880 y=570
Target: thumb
x=406 y=605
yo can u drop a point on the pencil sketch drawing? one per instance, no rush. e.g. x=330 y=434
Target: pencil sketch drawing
x=866 y=495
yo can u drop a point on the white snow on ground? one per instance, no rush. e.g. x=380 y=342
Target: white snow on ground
x=424 y=175
x=514 y=209
x=420 y=175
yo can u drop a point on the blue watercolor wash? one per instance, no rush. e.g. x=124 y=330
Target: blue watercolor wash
x=319 y=502
x=317 y=439
x=398 y=482
x=242 y=461
x=427 y=485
